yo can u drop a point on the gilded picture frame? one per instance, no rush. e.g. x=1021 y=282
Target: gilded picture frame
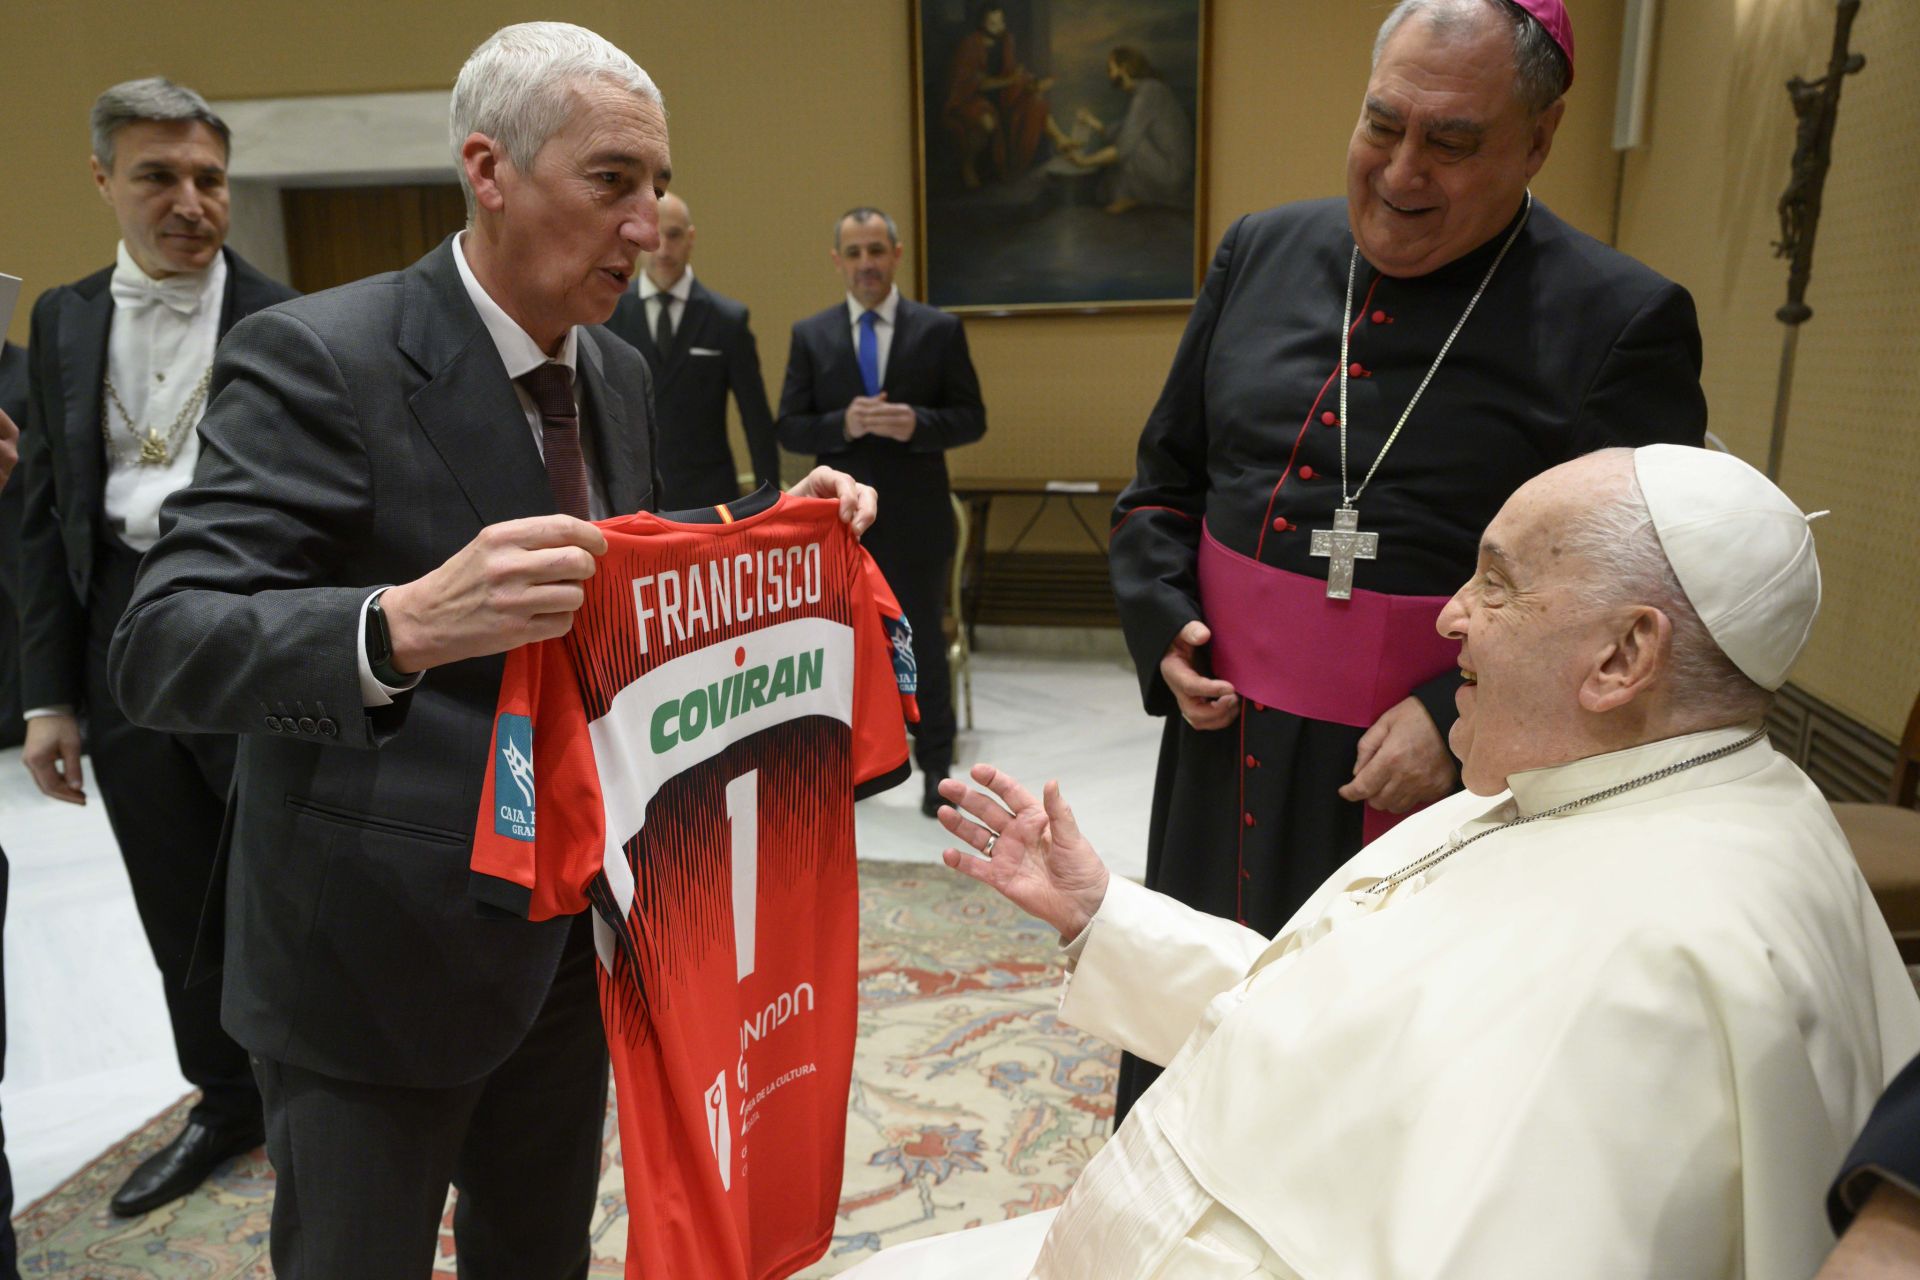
x=1059 y=148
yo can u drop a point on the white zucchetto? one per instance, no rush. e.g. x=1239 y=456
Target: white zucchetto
x=1742 y=551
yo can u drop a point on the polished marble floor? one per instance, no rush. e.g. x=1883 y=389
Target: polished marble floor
x=89 y=1055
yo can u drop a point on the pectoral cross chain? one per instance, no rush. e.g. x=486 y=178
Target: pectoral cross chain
x=1342 y=545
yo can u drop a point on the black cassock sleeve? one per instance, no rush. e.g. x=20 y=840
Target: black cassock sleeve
x=1153 y=549
x=1648 y=389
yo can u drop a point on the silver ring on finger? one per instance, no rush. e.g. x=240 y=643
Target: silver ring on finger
x=993 y=838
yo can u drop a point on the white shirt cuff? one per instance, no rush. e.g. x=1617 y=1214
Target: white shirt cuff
x=1070 y=951
x=373 y=692
x=57 y=709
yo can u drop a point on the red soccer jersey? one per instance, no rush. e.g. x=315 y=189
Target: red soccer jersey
x=696 y=743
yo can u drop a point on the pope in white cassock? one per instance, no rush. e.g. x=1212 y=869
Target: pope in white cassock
x=1616 y=1010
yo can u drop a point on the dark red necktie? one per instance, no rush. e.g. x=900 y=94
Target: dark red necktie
x=551 y=388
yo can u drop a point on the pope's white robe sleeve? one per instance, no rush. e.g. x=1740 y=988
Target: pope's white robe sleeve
x=1150 y=967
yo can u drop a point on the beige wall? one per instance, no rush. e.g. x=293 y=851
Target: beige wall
x=783 y=113
x=1698 y=204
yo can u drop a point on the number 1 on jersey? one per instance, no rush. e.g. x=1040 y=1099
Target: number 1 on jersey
x=743 y=819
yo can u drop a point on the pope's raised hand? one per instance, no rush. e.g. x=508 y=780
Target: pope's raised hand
x=1031 y=850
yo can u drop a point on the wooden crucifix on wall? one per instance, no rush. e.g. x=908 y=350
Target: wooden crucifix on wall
x=1816 y=104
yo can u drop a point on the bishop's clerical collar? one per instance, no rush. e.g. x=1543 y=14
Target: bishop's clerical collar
x=1472 y=265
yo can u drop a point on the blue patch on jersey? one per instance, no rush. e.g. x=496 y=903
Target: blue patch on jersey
x=513 y=778
x=900 y=636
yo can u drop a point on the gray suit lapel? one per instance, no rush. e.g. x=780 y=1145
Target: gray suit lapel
x=619 y=432
x=468 y=408
x=84 y=326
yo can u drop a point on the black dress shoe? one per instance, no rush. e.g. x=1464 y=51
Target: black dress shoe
x=930 y=803
x=180 y=1166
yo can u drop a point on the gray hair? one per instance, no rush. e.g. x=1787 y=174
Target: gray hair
x=154 y=98
x=518 y=87
x=1540 y=70
x=861 y=213
x=1618 y=534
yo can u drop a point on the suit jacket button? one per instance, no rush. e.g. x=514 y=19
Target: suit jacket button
x=307 y=725
x=273 y=723
x=329 y=728
x=289 y=724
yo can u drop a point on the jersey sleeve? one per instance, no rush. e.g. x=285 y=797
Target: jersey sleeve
x=884 y=681
x=530 y=859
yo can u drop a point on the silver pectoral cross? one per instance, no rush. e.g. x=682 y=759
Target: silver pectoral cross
x=1342 y=545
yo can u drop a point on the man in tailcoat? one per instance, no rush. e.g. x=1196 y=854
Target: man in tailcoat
x=1296 y=721
x=884 y=386
x=119 y=364
x=396 y=487
x=699 y=347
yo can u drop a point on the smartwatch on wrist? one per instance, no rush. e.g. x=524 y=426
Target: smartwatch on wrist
x=380 y=645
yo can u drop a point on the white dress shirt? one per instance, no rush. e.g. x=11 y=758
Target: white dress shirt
x=159 y=347
x=520 y=354
x=676 y=299
x=882 y=329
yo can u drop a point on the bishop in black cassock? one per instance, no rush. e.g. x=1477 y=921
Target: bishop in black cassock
x=1572 y=347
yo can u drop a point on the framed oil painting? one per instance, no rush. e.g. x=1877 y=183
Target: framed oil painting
x=1059 y=146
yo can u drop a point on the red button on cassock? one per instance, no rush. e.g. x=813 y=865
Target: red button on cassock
x=1280 y=524
x=1252 y=763
x=1379 y=317
x=1306 y=473
x=1354 y=370
x=1258 y=707
x=1248 y=817
x=1329 y=419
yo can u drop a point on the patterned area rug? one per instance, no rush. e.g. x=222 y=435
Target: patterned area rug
x=971 y=1102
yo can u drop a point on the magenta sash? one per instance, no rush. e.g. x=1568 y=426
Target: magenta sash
x=1282 y=643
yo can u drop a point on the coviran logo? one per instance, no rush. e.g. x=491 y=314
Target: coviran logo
x=707 y=706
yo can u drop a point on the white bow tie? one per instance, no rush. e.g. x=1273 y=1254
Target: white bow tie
x=179 y=293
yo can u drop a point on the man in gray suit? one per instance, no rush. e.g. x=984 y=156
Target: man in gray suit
x=449 y=430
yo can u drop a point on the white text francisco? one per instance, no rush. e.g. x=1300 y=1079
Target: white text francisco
x=682 y=604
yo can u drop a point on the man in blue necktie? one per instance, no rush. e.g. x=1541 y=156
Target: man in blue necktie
x=881 y=387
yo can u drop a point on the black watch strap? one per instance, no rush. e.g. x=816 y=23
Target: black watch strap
x=380 y=645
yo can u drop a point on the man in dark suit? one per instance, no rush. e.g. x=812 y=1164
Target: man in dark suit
x=884 y=387
x=449 y=429
x=119 y=363
x=1873 y=1204
x=13 y=403
x=9 y=1249
x=699 y=346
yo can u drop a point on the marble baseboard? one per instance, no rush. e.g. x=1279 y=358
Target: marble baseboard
x=1054 y=642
